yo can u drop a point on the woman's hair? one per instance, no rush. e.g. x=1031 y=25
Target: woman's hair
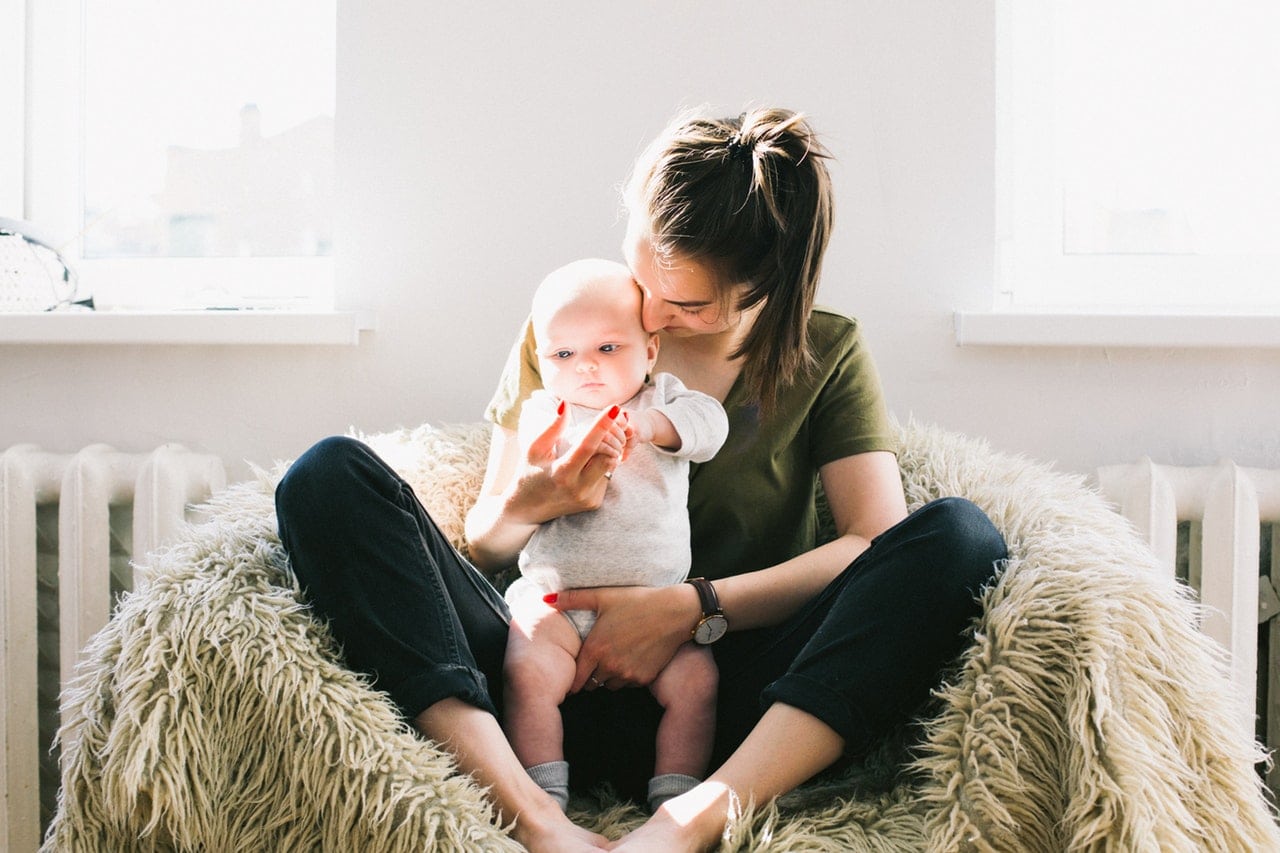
x=750 y=199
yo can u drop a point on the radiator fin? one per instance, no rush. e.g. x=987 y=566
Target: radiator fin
x=1218 y=529
x=68 y=525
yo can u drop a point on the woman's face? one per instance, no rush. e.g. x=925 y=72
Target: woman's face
x=679 y=298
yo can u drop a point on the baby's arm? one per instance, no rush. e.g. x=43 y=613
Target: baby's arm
x=651 y=426
x=688 y=423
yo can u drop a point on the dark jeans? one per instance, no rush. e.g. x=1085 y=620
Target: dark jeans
x=412 y=613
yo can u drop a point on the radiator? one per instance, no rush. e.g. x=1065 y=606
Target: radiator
x=1218 y=528
x=68 y=524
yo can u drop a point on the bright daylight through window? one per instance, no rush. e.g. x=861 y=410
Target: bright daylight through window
x=1137 y=154
x=205 y=146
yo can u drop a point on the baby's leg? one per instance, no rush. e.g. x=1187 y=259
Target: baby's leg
x=540 y=663
x=686 y=690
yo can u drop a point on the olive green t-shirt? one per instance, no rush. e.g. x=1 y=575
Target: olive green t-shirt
x=752 y=506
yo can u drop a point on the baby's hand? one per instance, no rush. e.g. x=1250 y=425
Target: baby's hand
x=639 y=429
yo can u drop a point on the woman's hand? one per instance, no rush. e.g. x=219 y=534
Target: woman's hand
x=575 y=481
x=637 y=631
x=523 y=487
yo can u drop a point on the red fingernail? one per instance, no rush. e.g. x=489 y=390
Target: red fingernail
x=560 y=408
x=550 y=598
x=613 y=413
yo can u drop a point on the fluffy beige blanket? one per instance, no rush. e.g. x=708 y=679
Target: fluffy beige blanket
x=212 y=713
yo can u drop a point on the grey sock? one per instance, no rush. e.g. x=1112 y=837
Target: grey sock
x=668 y=785
x=553 y=777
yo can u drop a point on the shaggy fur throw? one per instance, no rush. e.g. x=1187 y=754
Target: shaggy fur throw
x=1089 y=713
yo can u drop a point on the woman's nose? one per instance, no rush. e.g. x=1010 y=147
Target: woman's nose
x=654 y=314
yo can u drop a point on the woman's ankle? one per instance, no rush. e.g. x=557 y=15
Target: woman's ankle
x=668 y=786
x=547 y=830
x=704 y=812
x=691 y=822
x=538 y=821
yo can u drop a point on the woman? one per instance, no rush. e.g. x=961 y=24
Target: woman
x=827 y=648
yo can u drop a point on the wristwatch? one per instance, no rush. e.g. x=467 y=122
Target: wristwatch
x=713 y=624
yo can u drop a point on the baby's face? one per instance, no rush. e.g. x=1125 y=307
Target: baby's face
x=594 y=354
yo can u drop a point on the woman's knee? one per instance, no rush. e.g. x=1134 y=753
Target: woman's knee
x=968 y=541
x=323 y=471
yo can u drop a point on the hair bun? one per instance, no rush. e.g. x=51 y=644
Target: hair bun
x=748 y=197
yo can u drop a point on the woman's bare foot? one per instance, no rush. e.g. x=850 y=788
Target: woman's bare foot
x=549 y=831
x=481 y=749
x=689 y=823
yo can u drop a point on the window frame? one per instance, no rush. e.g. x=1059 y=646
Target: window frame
x=49 y=146
x=13 y=51
x=1033 y=272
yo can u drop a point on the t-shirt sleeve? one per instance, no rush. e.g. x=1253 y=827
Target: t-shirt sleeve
x=520 y=378
x=849 y=415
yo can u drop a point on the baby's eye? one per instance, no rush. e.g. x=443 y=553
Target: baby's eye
x=562 y=353
x=609 y=348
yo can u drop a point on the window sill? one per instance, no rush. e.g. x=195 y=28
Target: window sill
x=186 y=328
x=1097 y=329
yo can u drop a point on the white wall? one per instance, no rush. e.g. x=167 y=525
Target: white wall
x=480 y=145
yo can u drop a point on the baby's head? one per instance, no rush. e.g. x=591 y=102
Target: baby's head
x=592 y=348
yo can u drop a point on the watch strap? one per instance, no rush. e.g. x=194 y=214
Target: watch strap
x=707 y=596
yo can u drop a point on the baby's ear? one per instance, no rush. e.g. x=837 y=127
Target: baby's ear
x=653 y=350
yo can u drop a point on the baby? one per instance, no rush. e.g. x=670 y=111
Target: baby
x=594 y=354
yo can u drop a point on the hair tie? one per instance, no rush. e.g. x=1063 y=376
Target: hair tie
x=737 y=147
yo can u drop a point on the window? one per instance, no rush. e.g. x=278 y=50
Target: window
x=1135 y=160
x=181 y=152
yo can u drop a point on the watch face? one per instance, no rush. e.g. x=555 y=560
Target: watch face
x=710 y=629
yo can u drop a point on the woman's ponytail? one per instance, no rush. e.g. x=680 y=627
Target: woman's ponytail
x=750 y=198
